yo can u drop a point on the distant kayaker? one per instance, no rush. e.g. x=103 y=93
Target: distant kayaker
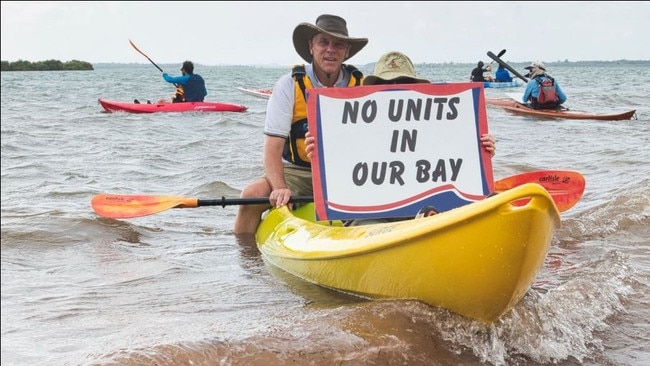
x=477 y=73
x=190 y=87
x=542 y=91
x=502 y=75
x=325 y=47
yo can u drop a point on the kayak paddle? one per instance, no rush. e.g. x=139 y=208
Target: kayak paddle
x=122 y=206
x=566 y=188
x=145 y=55
x=502 y=63
x=503 y=52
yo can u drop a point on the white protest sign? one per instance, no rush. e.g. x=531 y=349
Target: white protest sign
x=386 y=151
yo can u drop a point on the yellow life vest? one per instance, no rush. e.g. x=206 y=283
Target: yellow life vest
x=294 y=147
x=179 y=96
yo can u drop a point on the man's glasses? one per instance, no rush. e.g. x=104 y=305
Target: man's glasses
x=338 y=45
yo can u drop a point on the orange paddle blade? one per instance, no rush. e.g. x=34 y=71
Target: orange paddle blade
x=145 y=55
x=120 y=206
x=565 y=186
x=137 y=49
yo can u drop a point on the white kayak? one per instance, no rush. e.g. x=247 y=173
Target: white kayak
x=261 y=93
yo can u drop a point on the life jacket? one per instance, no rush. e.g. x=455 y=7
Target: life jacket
x=294 y=147
x=192 y=91
x=547 y=98
x=179 y=96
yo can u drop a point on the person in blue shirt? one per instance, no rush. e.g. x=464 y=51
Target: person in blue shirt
x=542 y=91
x=502 y=75
x=190 y=87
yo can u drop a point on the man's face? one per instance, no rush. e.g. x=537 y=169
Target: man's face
x=328 y=52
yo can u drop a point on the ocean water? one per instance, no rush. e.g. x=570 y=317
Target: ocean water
x=178 y=288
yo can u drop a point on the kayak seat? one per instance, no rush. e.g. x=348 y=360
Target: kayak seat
x=426 y=211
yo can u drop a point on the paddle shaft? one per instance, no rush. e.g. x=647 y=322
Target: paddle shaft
x=502 y=63
x=223 y=201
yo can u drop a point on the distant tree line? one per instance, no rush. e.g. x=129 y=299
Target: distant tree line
x=49 y=65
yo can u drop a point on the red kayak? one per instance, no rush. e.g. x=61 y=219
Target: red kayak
x=516 y=107
x=112 y=106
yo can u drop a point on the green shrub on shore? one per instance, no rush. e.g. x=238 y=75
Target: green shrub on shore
x=49 y=65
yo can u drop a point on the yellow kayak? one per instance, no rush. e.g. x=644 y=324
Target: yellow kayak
x=477 y=260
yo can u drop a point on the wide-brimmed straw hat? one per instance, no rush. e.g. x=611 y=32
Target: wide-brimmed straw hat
x=333 y=25
x=535 y=69
x=393 y=66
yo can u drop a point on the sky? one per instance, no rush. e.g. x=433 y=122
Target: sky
x=260 y=33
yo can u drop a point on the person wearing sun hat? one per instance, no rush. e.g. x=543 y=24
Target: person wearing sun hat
x=541 y=82
x=327 y=24
x=324 y=46
x=394 y=68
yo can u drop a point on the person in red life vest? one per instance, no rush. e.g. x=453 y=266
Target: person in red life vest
x=542 y=91
x=325 y=46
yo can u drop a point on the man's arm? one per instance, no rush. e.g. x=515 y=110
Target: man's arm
x=528 y=91
x=176 y=79
x=560 y=94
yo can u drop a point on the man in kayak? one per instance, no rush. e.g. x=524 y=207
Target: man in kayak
x=542 y=91
x=190 y=87
x=395 y=68
x=325 y=47
x=477 y=73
